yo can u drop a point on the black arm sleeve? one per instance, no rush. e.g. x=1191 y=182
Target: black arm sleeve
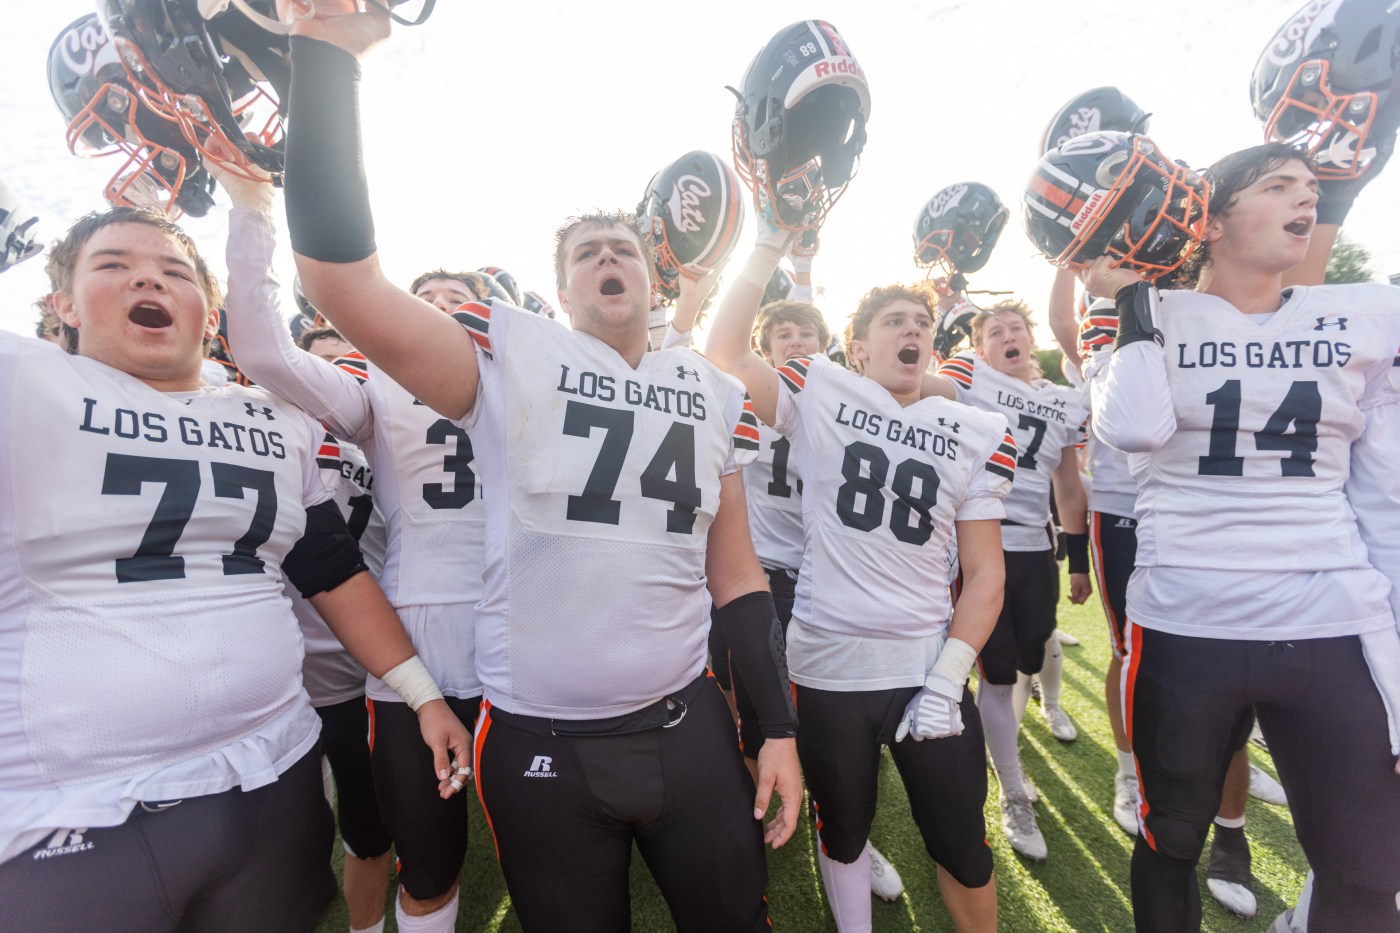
x=1077 y=550
x=757 y=651
x=327 y=554
x=328 y=213
x=1137 y=306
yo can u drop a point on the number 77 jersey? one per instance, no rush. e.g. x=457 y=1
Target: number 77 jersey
x=602 y=481
x=883 y=485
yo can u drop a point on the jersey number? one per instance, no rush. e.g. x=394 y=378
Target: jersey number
x=155 y=557
x=871 y=514
x=1301 y=408
x=675 y=455
x=779 y=487
x=1037 y=428
x=457 y=464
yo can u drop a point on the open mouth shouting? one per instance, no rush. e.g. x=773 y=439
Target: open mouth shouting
x=1301 y=227
x=909 y=354
x=150 y=315
x=1012 y=353
x=612 y=285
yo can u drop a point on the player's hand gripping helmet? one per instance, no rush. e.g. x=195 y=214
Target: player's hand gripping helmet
x=958 y=227
x=1327 y=83
x=1094 y=110
x=692 y=212
x=212 y=71
x=17 y=239
x=507 y=283
x=1114 y=194
x=800 y=123
x=158 y=169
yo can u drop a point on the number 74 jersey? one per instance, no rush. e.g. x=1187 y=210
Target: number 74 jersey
x=883 y=485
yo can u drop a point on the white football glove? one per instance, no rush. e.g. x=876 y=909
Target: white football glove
x=933 y=713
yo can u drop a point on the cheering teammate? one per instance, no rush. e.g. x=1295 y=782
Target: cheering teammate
x=184 y=773
x=873 y=655
x=1240 y=403
x=612 y=476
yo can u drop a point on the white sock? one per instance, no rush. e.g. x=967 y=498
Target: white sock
x=377 y=928
x=442 y=920
x=1021 y=696
x=1300 y=912
x=848 y=891
x=1125 y=764
x=999 y=727
x=1052 y=672
x=1228 y=823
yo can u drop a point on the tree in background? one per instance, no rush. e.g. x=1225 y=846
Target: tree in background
x=1050 y=365
x=1349 y=262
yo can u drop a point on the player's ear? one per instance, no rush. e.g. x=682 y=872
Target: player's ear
x=564 y=304
x=211 y=324
x=857 y=355
x=62 y=303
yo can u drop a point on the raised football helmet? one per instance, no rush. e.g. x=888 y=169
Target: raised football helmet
x=1094 y=110
x=692 y=212
x=17 y=239
x=954 y=326
x=507 y=283
x=1327 y=83
x=958 y=227
x=799 y=126
x=211 y=70
x=157 y=168
x=534 y=303
x=1115 y=194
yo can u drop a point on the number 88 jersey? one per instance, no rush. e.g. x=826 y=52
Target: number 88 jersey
x=1265 y=417
x=883 y=485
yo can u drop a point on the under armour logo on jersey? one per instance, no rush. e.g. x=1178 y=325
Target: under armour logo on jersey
x=63 y=842
x=255 y=410
x=950 y=425
x=682 y=372
x=541 y=767
x=1322 y=323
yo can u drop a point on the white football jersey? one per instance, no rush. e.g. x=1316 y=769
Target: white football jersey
x=774 y=493
x=604 y=480
x=328 y=672
x=882 y=486
x=1045 y=419
x=1114 y=489
x=151 y=653
x=1244 y=426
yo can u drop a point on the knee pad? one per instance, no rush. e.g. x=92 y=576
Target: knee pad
x=971 y=868
x=1176 y=838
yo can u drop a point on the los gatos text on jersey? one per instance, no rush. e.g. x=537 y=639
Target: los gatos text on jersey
x=155 y=428
x=1035 y=409
x=923 y=439
x=682 y=402
x=1280 y=354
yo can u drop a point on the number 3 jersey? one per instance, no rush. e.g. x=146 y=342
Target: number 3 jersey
x=602 y=483
x=882 y=486
x=148 y=652
x=1045 y=420
x=1239 y=431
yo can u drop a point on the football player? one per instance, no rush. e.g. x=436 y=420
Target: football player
x=431 y=498
x=1048 y=424
x=873 y=654
x=161 y=759
x=1240 y=402
x=614 y=499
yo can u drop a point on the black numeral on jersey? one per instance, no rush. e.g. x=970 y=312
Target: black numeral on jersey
x=155 y=557
x=676 y=455
x=457 y=464
x=911 y=519
x=1026 y=461
x=778 y=486
x=361 y=507
x=1301 y=409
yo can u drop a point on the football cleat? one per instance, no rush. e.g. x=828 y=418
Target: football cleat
x=885 y=882
x=1019 y=826
x=1125 y=802
x=1265 y=788
x=1228 y=876
x=1059 y=723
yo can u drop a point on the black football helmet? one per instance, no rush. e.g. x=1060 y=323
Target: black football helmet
x=157 y=168
x=1115 y=194
x=692 y=212
x=958 y=227
x=534 y=303
x=954 y=326
x=507 y=283
x=1327 y=83
x=1097 y=109
x=799 y=126
x=17 y=237
x=211 y=70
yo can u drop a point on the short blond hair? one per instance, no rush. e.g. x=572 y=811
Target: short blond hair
x=1008 y=306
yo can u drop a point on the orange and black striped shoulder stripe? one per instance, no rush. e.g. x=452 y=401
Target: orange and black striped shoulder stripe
x=355 y=364
x=328 y=456
x=794 y=373
x=1002 y=462
x=958 y=368
x=475 y=316
x=746 y=429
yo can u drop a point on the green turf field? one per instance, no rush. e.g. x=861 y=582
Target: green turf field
x=1082 y=886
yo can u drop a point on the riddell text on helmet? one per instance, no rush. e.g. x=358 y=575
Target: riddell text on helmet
x=839 y=66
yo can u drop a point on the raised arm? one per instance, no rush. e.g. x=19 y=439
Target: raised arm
x=730 y=343
x=1132 y=399
x=1062 y=318
x=332 y=229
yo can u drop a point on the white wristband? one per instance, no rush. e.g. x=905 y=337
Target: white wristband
x=954 y=661
x=412 y=682
x=759 y=269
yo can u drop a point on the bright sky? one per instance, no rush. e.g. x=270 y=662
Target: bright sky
x=490 y=124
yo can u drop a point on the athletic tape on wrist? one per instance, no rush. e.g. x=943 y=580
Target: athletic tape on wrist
x=954 y=662
x=412 y=682
x=759 y=269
